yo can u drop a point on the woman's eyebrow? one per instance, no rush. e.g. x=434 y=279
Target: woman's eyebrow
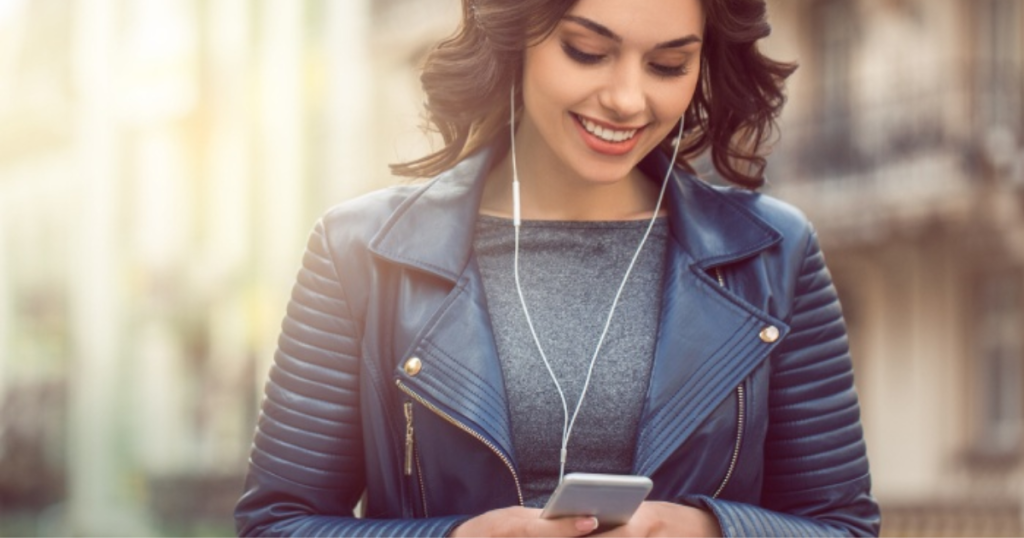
x=681 y=42
x=603 y=30
x=595 y=27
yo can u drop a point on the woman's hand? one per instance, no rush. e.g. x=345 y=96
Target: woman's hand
x=519 y=521
x=655 y=518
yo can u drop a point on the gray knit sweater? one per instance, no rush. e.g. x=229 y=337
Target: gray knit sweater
x=569 y=273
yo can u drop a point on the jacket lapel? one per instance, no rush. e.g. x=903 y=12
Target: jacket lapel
x=432 y=233
x=708 y=338
x=702 y=354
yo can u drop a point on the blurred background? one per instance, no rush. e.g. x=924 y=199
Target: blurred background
x=161 y=162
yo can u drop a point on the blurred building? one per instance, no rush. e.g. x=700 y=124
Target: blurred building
x=161 y=162
x=904 y=142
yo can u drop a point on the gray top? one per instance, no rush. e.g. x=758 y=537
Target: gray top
x=570 y=272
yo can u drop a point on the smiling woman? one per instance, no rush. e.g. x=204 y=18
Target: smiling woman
x=566 y=295
x=599 y=92
x=466 y=79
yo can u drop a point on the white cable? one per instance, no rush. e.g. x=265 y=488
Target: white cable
x=516 y=215
x=516 y=223
x=567 y=424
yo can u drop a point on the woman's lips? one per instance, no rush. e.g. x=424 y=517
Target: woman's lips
x=605 y=139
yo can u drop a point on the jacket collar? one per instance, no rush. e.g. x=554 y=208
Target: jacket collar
x=432 y=231
x=714 y=229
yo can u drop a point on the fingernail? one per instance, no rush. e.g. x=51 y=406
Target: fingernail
x=586 y=524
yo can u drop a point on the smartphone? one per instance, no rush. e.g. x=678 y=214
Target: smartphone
x=609 y=497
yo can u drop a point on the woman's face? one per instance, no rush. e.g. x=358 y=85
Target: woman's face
x=609 y=83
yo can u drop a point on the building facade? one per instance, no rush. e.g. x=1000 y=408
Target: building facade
x=161 y=163
x=904 y=142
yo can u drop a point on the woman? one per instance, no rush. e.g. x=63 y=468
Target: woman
x=561 y=297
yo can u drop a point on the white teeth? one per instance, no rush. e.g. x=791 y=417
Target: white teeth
x=609 y=135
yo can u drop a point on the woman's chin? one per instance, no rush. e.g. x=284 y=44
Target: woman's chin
x=604 y=173
x=604 y=179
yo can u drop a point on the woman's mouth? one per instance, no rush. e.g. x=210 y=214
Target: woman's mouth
x=607 y=134
x=606 y=139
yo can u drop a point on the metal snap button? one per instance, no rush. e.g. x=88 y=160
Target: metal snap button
x=769 y=334
x=413 y=366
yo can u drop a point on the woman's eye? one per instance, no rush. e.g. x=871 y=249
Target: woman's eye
x=670 y=70
x=580 y=56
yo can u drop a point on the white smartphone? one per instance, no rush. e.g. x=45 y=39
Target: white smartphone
x=609 y=497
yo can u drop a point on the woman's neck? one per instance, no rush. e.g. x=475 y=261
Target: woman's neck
x=549 y=194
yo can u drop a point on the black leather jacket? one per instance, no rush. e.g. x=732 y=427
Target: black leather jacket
x=386 y=385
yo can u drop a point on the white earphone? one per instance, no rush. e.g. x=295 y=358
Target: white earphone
x=568 y=423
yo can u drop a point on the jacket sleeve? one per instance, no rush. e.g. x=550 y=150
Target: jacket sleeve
x=816 y=480
x=306 y=465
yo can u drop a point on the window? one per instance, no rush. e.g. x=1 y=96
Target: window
x=833 y=35
x=1000 y=65
x=1000 y=364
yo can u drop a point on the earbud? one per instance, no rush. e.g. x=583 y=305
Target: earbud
x=679 y=136
x=516 y=215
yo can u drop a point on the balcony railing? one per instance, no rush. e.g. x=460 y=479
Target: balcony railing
x=865 y=136
x=899 y=163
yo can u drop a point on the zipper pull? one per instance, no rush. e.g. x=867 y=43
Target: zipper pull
x=408 y=438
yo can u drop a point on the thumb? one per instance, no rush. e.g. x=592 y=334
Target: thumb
x=586 y=525
x=563 y=526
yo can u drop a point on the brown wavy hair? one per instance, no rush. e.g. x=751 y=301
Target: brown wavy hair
x=467 y=78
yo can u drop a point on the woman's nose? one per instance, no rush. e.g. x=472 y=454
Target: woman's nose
x=623 y=93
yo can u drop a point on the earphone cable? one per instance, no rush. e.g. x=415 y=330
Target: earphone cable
x=567 y=424
x=517 y=221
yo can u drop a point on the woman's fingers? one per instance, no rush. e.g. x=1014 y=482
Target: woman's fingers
x=519 y=521
x=655 y=518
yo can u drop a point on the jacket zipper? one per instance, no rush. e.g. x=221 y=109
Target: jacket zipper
x=740 y=410
x=740 y=404
x=423 y=485
x=408 y=439
x=412 y=452
x=467 y=429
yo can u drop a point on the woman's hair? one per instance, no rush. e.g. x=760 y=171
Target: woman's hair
x=467 y=79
